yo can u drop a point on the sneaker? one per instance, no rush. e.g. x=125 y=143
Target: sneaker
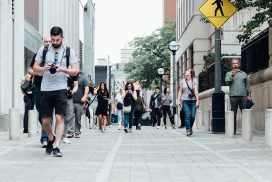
x=188 y=133
x=126 y=130
x=49 y=147
x=77 y=135
x=44 y=144
x=158 y=127
x=165 y=127
x=103 y=130
x=56 y=152
x=70 y=135
x=66 y=140
x=130 y=130
x=173 y=126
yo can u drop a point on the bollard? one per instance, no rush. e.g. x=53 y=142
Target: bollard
x=14 y=120
x=247 y=124
x=199 y=117
x=32 y=123
x=229 y=124
x=268 y=127
x=176 y=120
x=206 y=120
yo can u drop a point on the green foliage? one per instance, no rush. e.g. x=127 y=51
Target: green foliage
x=150 y=53
x=264 y=13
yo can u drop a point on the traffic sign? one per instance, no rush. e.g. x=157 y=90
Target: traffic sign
x=218 y=11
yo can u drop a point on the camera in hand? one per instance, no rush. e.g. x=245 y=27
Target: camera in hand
x=69 y=92
x=53 y=69
x=191 y=95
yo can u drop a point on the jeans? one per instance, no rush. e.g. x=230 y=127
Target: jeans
x=166 y=110
x=128 y=117
x=138 y=117
x=189 y=107
x=236 y=101
x=69 y=117
x=78 y=109
x=156 y=117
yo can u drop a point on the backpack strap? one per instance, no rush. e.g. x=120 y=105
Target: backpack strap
x=67 y=56
x=45 y=50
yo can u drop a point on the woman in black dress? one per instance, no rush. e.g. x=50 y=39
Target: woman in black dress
x=102 y=107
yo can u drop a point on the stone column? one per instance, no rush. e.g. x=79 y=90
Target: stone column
x=14 y=117
x=32 y=123
x=247 y=124
x=229 y=124
x=206 y=120
x=268 y=127
x=199 y=118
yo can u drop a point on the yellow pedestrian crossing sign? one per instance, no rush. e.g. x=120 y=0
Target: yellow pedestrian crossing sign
x=217 y=11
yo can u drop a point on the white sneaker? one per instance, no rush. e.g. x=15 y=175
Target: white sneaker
x=158 y=127
x=44 y=144
x=66 y=140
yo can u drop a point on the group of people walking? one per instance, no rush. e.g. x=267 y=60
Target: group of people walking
x=60 y=89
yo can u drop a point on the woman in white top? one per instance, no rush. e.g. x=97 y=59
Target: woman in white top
x=92 y=101
x=119 y=108
x=188 y=99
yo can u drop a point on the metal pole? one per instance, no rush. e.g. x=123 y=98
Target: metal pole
x=161 y=83
x=174 y=84
x=218 y=97
x=217 y=84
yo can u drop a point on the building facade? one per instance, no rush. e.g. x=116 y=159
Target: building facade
x=169 y=13
x=89 y=40
x=23 y=23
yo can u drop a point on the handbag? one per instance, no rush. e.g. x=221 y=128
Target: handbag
x=119 y=106
x=127 y=109
x=27 y=86
x=249 y=104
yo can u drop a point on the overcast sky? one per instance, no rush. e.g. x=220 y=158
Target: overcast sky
x=120 y=21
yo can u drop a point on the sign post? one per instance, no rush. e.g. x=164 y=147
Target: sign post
x=218 y=12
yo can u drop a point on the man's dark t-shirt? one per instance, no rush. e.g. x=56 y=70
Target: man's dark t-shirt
x=82 y=83
x=37 y=80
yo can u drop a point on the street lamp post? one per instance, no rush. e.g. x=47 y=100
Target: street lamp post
x=161 y=72
x=173 y=47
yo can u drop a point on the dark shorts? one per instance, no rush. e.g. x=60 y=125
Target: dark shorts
x=51 y=100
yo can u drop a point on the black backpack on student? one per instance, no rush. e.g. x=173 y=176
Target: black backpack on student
x=45 y=50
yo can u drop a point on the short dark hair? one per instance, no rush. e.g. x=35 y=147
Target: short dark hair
x=56 y=31
x=158 y=88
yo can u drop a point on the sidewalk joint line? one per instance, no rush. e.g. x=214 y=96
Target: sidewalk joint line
x=226 y=159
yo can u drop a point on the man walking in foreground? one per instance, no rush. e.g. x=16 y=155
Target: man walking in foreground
x=54 y=69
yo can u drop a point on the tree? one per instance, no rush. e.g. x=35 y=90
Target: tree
x=150 y=53
x=264 y=13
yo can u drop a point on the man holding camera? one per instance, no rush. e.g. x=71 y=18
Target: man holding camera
x=239 y=88
x=54 y=86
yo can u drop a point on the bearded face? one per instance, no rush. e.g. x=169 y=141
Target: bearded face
x=56 y=41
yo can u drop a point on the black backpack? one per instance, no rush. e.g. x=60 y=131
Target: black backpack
x=45 y=50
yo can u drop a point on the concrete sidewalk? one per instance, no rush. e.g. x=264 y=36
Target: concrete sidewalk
x=141 y=156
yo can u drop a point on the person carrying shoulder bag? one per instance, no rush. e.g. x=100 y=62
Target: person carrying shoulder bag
x=188 y=99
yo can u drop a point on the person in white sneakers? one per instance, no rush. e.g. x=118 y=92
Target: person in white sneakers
x=72 y=87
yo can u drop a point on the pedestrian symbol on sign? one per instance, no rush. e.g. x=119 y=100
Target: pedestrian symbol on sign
x=219 y=4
